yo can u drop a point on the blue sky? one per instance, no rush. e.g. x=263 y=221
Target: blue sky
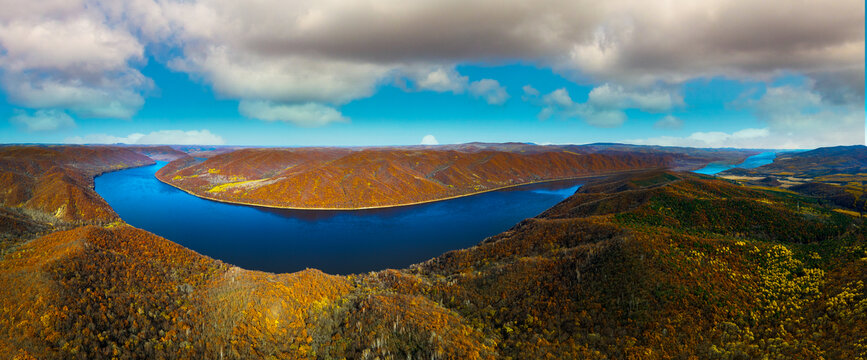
x=145 y=77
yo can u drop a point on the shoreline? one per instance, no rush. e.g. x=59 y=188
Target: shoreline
x=379 y=207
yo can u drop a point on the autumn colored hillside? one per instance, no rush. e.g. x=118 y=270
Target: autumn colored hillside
x=159 y=153
x=833 y=174
x=680 y=158
x=334 y=178
x=55 y=183
x=645 y=265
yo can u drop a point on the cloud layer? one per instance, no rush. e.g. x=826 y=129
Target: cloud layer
x=68 y=55
x=795 y=117
x=42 y=120
x=605 y=104
x=162 y=137
x=332 y=52
x=299 y=61
x=307 y=115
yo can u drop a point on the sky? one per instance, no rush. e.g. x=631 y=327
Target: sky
x=713 y=73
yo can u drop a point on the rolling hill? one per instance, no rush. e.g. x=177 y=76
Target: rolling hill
x=648 y=264
x=834 y=174
x=56 y=182
x=334 y=178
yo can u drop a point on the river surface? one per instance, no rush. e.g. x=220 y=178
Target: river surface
x=337 y=242
x=749 y=163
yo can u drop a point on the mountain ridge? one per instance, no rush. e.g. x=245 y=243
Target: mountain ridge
x=338 y=178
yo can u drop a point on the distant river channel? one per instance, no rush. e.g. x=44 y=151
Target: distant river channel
x=336 y=242
x=749 y=163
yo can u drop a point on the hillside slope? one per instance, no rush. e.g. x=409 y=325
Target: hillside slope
x=335 y=178
x=834 y=174
x=55 y=183
x=647 y=265
x=663 y=265
x=801 y=166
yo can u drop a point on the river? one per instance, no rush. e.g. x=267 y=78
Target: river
x=337 y=242
x=748 y=163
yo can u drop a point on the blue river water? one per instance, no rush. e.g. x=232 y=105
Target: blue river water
x=750 y=162
x=337 y=242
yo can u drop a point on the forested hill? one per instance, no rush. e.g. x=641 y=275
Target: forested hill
x=813 y=163
x=834 y=174
x=341 y=178
x=648 y=265
x=55 y=183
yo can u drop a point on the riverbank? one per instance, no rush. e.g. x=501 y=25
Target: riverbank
x=337 y=242
x=583 y=177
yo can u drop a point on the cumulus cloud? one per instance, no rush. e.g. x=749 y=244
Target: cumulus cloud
x=83 y=55
x=331 y=52
x=746 y=138
x=490 y=90
x=42 y=120
x=801 y=115
x=429 y=140
x=610 y=96
x=559 y=97
x=627 y=40
x=439 y=79
x=162 y=137
x=668 y=122
x=308 y=114
x=795 y=117
x=530 y=91
x=66 y=55
x=648 y=43
x=445 y=79
x=559 y=103
x=605 y=104
x=295 y=79
x=614 y=39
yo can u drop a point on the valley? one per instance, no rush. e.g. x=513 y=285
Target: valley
x=653 y=263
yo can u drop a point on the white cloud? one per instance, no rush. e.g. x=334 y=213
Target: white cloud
x=604 y=118
x=83 y=55
x=308 y=115
x=331 y=52
x=800 y=115
x=447 y=79
x=65 y=55
x=429 y=140
x=559 y=97
x=490 y=90
x=605 y=104
x=104 y=139
x=668 y=122
x=288 y=79
x=796 y=117
x=610 y=96
x=623 y=41
x=42 y=120
x=440 y=79
x=746 y=138
x=530 y=91
x=113 y=99
x=162 y=137
x=638 y=42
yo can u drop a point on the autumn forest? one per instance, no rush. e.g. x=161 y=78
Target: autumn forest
x=644 y=261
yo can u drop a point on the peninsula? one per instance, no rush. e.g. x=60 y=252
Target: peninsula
x=352 y=178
